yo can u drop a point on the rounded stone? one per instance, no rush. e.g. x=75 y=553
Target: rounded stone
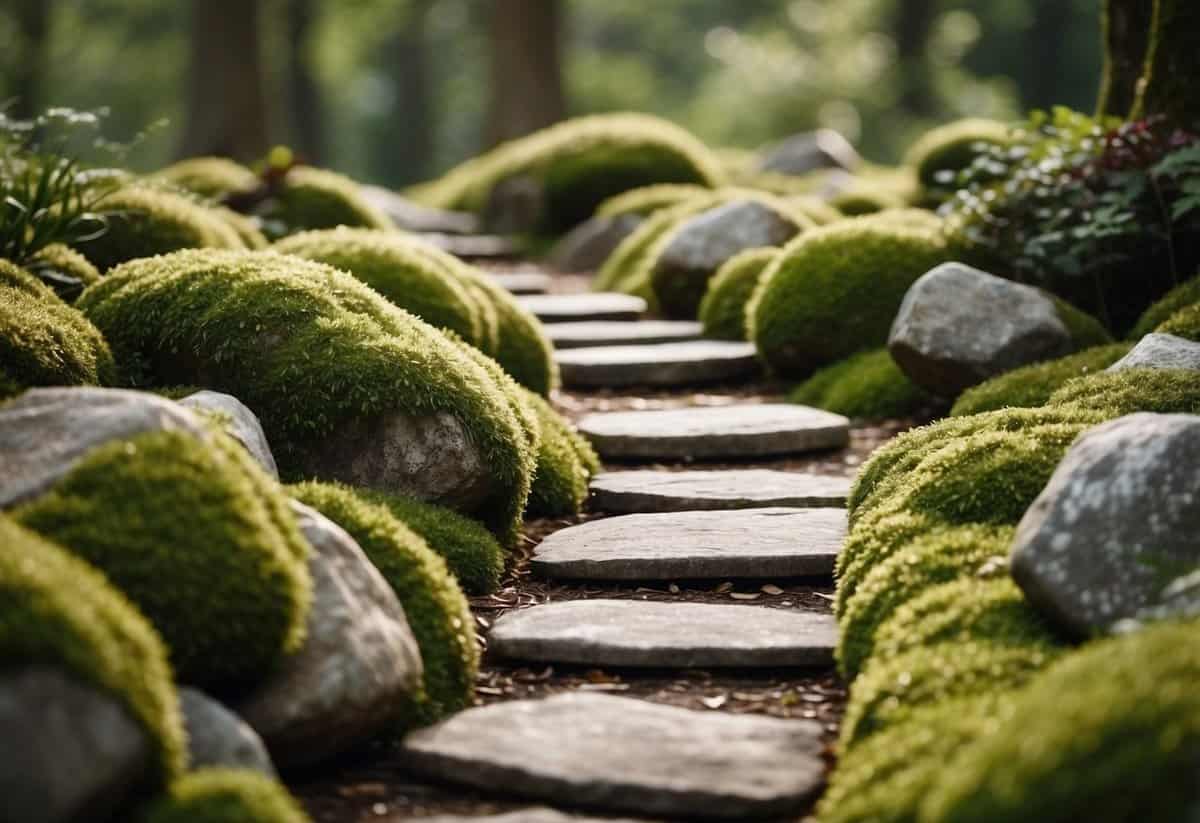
x=523 y=281
x=665 y=364
x=588 y=333
x=634 y=492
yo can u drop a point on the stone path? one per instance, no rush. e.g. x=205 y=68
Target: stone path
x=633 y=492
x=665 y=364
x=539 y=814
x=521 y=281
x=585 y=333
x=561 y=308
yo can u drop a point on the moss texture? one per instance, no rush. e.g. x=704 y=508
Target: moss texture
x=213 y=177
x=814 y=208
x=1113 y=394
x=566 y=462
x=862 y=198
x=864 y=385
x=646 y=200
x=248 y=229
x=723 y=309
x=1180 y=297
x=65 y=270
x=1184 y=323
x=56 y=610
x=225 y=796
x=1031 y=386
x=436 y=608
x=944 y=151
x=252 y=324
x=311 y=198
x=199 y=538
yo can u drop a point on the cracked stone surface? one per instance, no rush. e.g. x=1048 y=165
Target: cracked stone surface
x=664 y=364
x=634 y=492
x=620 y=333
x=559 y=308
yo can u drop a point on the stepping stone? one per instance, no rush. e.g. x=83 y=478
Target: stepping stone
x=634 y=492
x=667 y=635
x=755 y=543
x=664 y=364
x=715 y=432
x=532 y=814
x=621 y=333
x=472 y=245
x=521 y=282
x=561 y=308
x=620 y=754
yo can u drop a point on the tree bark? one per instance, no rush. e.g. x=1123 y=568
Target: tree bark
x=1171 y=75
x=32 y=18
x=526 y=68
x=226 y=101
x=1051 y=26
x=1126 y=35
x=304 y=94
x=404 y=153
x=912 y=24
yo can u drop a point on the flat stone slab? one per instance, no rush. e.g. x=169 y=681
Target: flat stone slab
x=589 y=333
x=715 y=432
x=531 y=814
x=641 y=633
x=636 y=492
x=521 y=282
x=664 y=364
x=621 y=754
x=561 y=308
x=755 y=543
x=471 y=246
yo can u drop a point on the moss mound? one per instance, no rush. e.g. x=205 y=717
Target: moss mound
x=65 y=270
x=814 y=208
x=1180 y=297
x=864 y=385
x=1031 y=386
x=436 y=609
x=1184 y=323
x=942 y=152
x=311 y=198
x=1110 y=733
x=723 y=309
x=57 y=610
x=566 y=462
x=225 y=796
x=835 y=290
x=195 y=535
x=212 y=177
x=248 y=229
x=1114 y=394
x=253 y=325
x=862 y=198
x=646 y=200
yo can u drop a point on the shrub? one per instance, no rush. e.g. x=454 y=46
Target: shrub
x=197 y=536
x=1184 y=323
x=310 y=198
x=56 y=610
x=723 y=309
x=566 y=462
x=646 y=200
x=436 y=609
x=1031 y=386
x=865 y=385
x=941 y=153
x=834 y=291
x=1115 y=394
x=311 y=350
x=213 y=177
x=1180 y=297
x=225 y=796
x=63 y=269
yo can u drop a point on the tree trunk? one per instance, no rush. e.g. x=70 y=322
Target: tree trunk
x=304 y=95
x=1051 y=27
x=912 y=24
x=226 y=105
x=1126 y=33
x=404 y=152
x=1171 y=75
x=32 y=18
x=526 y=68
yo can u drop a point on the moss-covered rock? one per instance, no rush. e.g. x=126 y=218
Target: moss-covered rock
x=835 y=290
x=944 y=151
x=646 y=200
x=862 y=198
x=56 y=610
x=1180 y=297
x=225 y=796
x=814 y=208
x=723 y=309
x=1114 y=394
x=247 y=228
x=199 y=538
x=311 y=198
x=864 y=385
x=1184 y=323
x=316 y=354
x=566 y=462
x=213 y=177
x=435 y=606
x=1031 y=386
x=63 y=269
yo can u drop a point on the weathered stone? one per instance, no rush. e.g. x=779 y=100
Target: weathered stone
x=358 y=662
x=411 y=216
x=586 y=247
x=703 y=243
x=1161 y=351
x=539 y=814
x=1115 y=524
x=958 y=326
x=811 y=151
x=674 y=635
x=70 y=752
x=774 y=542
x=663 y=364
x=472 y=246
x=45 y=432
x=589 y=333
x=241 y=423
x=522 y=281
x=219 y=738
x=635 y=492
x=711 y=432
x=620 y=754
x=562 y=308
x=1180 y=600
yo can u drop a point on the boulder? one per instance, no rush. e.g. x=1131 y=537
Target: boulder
x=811 y=151
x=1161 y=351
x=586 y=247
x=219 y=738
x=358 y=663
x=239 y=421
x=1115 y=524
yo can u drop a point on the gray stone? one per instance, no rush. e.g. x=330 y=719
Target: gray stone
x=532 y=814
x=811 y=151
x=959 y=326
x=669 y=635
x=662 y=364
x=1180 y=600
x=703 y=243
x=411 y=216
x=219 y=738
x=358 y=663
x=773 y=542
x=1115 y=524
x=1161 y=351
x=70 y=751
x=472 y=246
x=45 y=432
x=241 y=423
x=635 y=492
x=586 y=247
x=515 y=205
x=562 y=308
x=522 y=281
x=589 y=333
x=619 y=754
x=712 y=432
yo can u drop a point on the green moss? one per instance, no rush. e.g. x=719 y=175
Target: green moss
x=197 y=536
x=1184 y=323
x=1109 y=733
x=566 y=462
x=1113 y=394
x=864 y=385
x=65 y=270
x=311 y=198
x=523 y=348
x=814 y=208
x=646 y=200
x=1180 y=297
x=942 y=152
x=723 y=309
x=212 y=177
x=1086 y=331
x=626 y=269
x=246 y=228
x=56 y=610
x=310 y=349
x=436 y=609
x=906 y=218
x=863 y=198
x=13 y=276
x=873 y=539
x=225 y=796
x=835 y=290
x=1031 y=386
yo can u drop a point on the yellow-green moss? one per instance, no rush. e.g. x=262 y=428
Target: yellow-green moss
x=814 y=208
x=225 y=796
x=1113 y=394
x=646 y=200
x=311 y=198
x=212 y=177
x=723 y=309
x=1184 y=323
x=65 y=270
x=944 y=151
x=864 y=385
x=863 y=198
x=523 y=348
x=1180 y=297
x=245 y=227
x=566 y=462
